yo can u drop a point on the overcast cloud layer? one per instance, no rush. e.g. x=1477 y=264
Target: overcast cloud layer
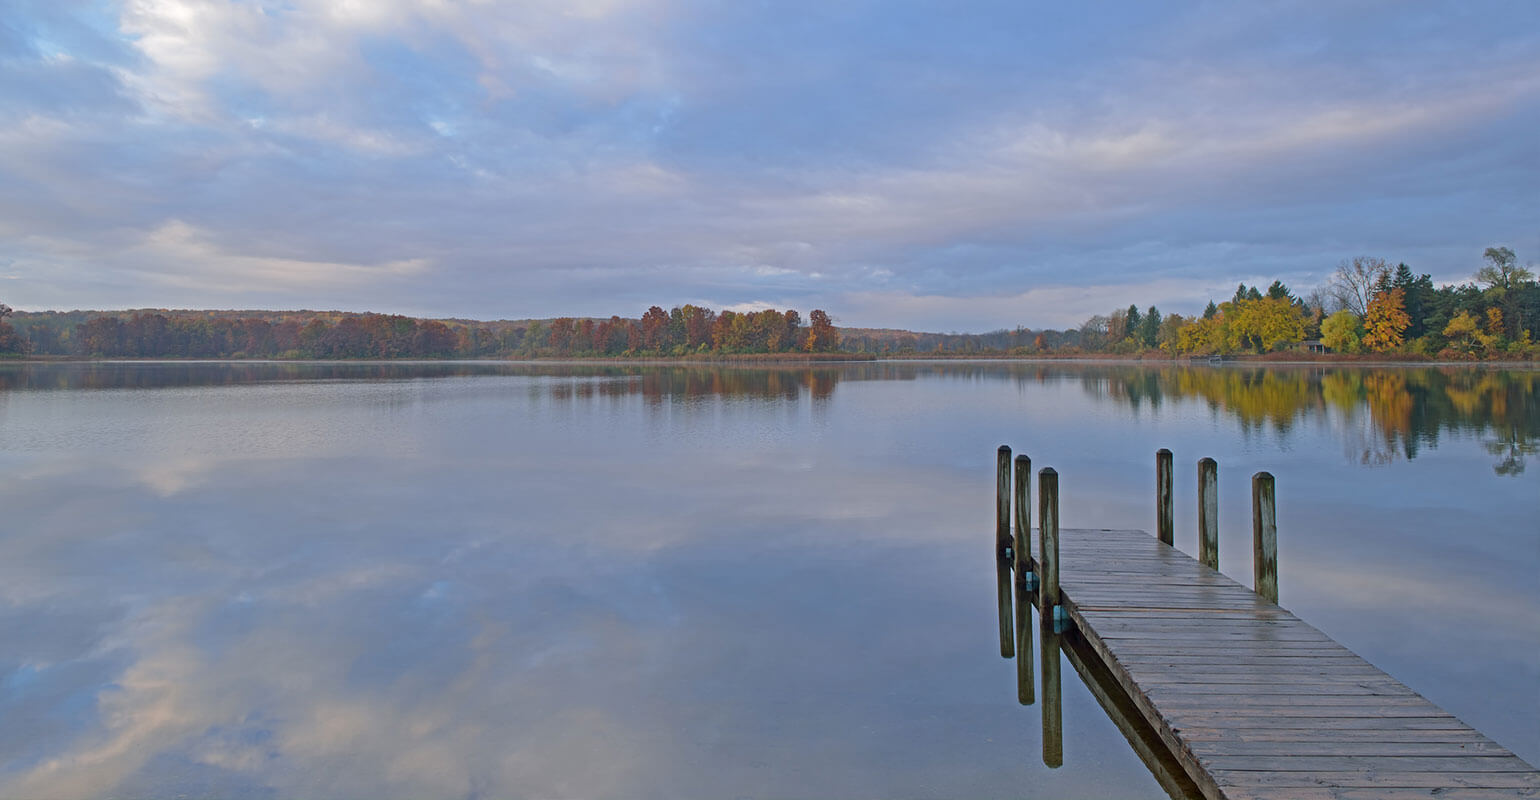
x=939 y=166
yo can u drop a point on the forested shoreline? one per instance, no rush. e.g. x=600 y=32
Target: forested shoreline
x=1367 y=308
x=157 y=333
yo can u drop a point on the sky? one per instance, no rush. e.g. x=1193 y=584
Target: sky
x=941 y=166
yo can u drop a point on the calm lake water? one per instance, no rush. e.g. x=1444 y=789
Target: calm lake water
x=579 y=581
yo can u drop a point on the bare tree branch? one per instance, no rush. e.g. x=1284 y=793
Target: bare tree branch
x=1352 y=285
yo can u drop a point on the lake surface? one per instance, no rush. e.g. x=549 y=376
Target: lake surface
x=593 y=581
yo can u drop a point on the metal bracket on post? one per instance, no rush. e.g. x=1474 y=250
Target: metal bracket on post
x=1029 y=580
x=1060 y=619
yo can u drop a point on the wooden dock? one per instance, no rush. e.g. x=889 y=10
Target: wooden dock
x=1250 y=700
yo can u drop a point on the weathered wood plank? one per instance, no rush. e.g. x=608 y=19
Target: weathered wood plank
x=1347 y=748
x=1178 y=700
x=1221 y=674
x=1383 y=779
x=1178 y=712
x=1199 y=646
x=1281 y=659
x=1292 y=763
x=1387 y=793
x=1262 y=732
x=1228 y=634
x=1325 y=726
x=1387 y=687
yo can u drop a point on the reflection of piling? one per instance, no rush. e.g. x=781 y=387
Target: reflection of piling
x=1003 y=592
x=1025 y=682
x=1003 y=548
x=1264 y=536
x=1048 y=546
x=1165 y=527
x=1208 y=512
x=1053 y=701
x=1023 y=543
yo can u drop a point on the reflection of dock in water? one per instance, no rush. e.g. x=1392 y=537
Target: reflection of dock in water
x=1221 y=692
x=1120 y=708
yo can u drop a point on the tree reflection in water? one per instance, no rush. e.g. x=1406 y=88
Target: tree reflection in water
x=1381 y=414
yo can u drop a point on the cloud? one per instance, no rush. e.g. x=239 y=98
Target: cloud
x=193 y=259
x=544 y=158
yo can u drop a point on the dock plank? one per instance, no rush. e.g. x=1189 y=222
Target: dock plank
x=1254 y=702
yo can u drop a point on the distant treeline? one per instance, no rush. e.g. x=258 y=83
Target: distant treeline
x=682 y=331
x=1366 y=306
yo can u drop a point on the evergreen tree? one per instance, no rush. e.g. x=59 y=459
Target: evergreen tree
x=1417 y=293
x=1149 y=327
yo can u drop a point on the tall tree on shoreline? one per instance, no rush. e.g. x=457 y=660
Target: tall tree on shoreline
x=10 y=341
x=1505 y=280
x=1386 y=321
x=821 y=335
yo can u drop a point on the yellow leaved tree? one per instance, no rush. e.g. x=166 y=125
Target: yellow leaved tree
x=1265 y=323
x=1386 y=321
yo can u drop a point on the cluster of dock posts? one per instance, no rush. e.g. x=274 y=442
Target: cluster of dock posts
x=1024 y=581
x=1040 y=575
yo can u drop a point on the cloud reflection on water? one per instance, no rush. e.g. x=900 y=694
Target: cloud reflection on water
x=590 y=581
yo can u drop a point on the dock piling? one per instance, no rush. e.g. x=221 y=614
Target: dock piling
x=1002 y=500
x=1023 y=548
x=1264 y=536
x=1165 y=527
x=1208 y=513
x=1048 y=546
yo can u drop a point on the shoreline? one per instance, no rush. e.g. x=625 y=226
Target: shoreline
x=787 y=359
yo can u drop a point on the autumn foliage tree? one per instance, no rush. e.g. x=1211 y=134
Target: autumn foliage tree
x=1465 y=335
x=821 y=335
x=1264 y=323
x=1385 y=321
x=1342 y=332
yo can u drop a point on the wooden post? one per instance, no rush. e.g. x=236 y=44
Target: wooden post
x=1002 y=543
x=1023 y=546
x=1208 y=512
x=1025 y=680
x=1165 y=525
x=1048 y=546
x=1002 y=500
x=1264 y=536
x=1053 y=699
